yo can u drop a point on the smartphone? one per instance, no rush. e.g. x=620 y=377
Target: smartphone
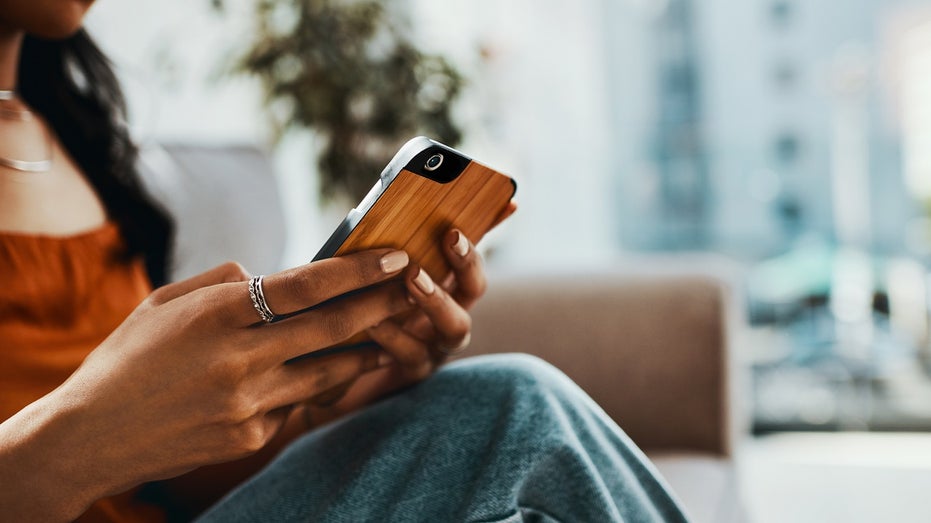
x=426 y=189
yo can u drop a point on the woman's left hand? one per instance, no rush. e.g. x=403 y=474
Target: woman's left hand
x=442 y=325
x=420 y=343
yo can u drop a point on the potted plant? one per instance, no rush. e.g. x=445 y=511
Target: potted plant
x=348 y=70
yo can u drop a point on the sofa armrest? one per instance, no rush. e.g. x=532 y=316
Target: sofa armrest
x=652 y=351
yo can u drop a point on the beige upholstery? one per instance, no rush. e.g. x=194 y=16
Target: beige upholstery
x=651 y=351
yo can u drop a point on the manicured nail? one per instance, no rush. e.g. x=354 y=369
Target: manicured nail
x=394 y=261
x=384 y=359
x=424 y=283
x=461 y=247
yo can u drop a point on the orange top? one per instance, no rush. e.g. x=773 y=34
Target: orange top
x=59 y=298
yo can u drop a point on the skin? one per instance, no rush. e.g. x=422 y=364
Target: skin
x=207 y=402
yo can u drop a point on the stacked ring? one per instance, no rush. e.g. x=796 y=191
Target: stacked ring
x=258 y=299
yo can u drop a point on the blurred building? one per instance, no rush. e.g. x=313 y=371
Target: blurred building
x=679 y=141
x=771 y=118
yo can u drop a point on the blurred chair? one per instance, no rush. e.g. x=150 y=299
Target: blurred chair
x=651 y=348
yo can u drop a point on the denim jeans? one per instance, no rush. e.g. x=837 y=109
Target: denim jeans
x=492 y=438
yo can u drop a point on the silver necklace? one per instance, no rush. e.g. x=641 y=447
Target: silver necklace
x=30 y=166
x=12 y=114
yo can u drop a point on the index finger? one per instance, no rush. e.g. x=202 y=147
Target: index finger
x=227 y=273
x=303 y=287
x=468 y=268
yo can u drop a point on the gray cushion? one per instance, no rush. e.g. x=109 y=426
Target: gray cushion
x=225 y=203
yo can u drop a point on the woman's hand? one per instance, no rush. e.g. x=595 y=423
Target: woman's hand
x=192 y=377
x=440 y=327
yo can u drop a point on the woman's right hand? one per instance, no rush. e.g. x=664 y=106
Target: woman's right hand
x=193 y=377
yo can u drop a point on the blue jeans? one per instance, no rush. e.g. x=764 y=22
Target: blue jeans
x=492 y=438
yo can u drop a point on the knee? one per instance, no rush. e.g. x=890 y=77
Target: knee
x=507 y=375
x=505 y=400
x=512 y=368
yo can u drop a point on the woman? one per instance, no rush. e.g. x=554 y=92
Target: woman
x=122 y=404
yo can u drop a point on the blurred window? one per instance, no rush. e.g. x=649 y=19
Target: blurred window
x=785 y=77
x=787 y=147
x=781 y=13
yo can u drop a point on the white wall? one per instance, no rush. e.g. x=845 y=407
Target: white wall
x=169 y=55
x=539 y=112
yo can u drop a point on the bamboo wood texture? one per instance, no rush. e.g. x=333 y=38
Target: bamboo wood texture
x=414 y=214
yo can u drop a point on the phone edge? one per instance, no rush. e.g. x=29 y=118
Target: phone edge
x=405 y=154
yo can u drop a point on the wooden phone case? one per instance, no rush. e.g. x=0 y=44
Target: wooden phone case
x=414 y=214
x=415 y=208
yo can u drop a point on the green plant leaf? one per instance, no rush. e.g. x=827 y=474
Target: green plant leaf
x=347 y=70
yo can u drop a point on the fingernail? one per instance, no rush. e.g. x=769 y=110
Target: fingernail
x=424 y=283
x=384 y=359
x=394 y=261
x=461 y=247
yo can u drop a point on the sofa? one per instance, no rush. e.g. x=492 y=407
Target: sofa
x=651 y=346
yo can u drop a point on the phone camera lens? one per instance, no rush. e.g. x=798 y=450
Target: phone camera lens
x=434 y=162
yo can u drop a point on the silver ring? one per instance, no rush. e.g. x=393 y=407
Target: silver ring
x=257 y=293
x=449 y=351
